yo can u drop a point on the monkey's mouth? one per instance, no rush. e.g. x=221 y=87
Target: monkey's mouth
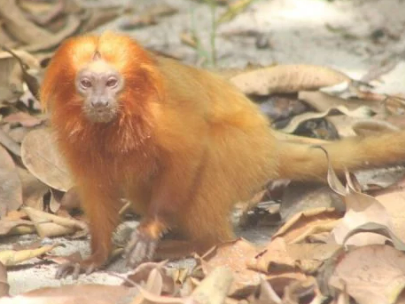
x=101 y=115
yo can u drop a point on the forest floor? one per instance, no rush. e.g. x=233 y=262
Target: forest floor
x=356 y=37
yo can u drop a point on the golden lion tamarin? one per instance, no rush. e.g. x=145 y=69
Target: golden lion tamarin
x=179 y=142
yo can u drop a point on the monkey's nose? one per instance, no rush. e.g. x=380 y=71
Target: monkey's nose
x=99 y=103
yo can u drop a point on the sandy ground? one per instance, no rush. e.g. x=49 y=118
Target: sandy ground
x=352 y=36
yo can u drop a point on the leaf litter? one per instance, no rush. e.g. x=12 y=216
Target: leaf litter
x=358 y=248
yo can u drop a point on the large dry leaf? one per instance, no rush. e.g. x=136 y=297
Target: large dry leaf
x=24 y=119
x=74 y=294
x=300 y=196
x=41 y=157
x=48 y=225
x=72 y=25
x=11 y=75
x=4 y=287
x=306 y=257
x=307 y=223
x=10 y=184
x=287 y=79
x=394 y=206
x=321 y=102
x=361 y=209
x=13 y=257
x=214 y=288
x=371 y=274
x=266 y=295
x=19 y=26
x=234 y=255
x=361 y=112
x=143 y=276
x=33 y=189
x=12 y=227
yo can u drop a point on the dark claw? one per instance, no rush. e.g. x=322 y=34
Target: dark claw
x=74 y=268
x=140 y=248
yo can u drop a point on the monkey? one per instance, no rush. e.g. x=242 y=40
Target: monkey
x=181 y=143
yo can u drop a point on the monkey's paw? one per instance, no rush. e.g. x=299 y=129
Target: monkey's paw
x=76 y=268
x=140 y=248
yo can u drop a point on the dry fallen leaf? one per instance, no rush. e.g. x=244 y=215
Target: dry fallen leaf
x=287 y=79
x=234 y=255
x=394 y=206
x=360 y=112
x=309 y=222
x=12 y=257
x=40 y=156
x=372 y=274
x=142 y=276
x=33 y=190
x=74 y=294
x=280 y=256
x=19 y=26
x=266 y=294
x=214 y=288
x=361 y=209
x=11 y=75
x=4 y=286
x=48 y=225
x=22 y=118
x=10 y=184
x=13 y=227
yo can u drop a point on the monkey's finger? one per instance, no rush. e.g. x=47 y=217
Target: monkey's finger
x=76 y=271
x=63 y=270
x=90 y=268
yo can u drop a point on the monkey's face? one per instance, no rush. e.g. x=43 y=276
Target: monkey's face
x=100 y=85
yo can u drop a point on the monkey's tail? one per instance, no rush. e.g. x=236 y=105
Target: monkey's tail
x=303 y=162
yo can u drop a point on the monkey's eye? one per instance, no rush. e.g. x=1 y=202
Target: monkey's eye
x=85 y=83
x=112 y=82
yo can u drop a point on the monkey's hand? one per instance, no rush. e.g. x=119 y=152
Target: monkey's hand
x=75 y=268
x=144 y=240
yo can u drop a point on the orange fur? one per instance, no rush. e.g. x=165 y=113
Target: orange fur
x=185 y=146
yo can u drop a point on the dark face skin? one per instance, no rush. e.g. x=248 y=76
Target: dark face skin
x=99 y=84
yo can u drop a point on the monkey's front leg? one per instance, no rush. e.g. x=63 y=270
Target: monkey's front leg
x=101 y=208
x=171 y=191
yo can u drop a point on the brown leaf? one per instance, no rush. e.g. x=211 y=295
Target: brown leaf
x=266 y=295
x=71 y=26
x=234 y=255
x=48 y=225
x=394 y=206
x=75 y=294
x=22 y=118
x=40 y=156
x=361 y=209
x=9 y=143
x=361 y=112
x=214 y=288
x=321 y=101
x=33 y=189
x=19 y=26
x=10 y=184
x=289 y=257
x=11 y=75
x=142 y=275
x=4 y=286
x=371 y=274
x=11 y=227
x=309 y=222
x=12 y=257
x=287 y=79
